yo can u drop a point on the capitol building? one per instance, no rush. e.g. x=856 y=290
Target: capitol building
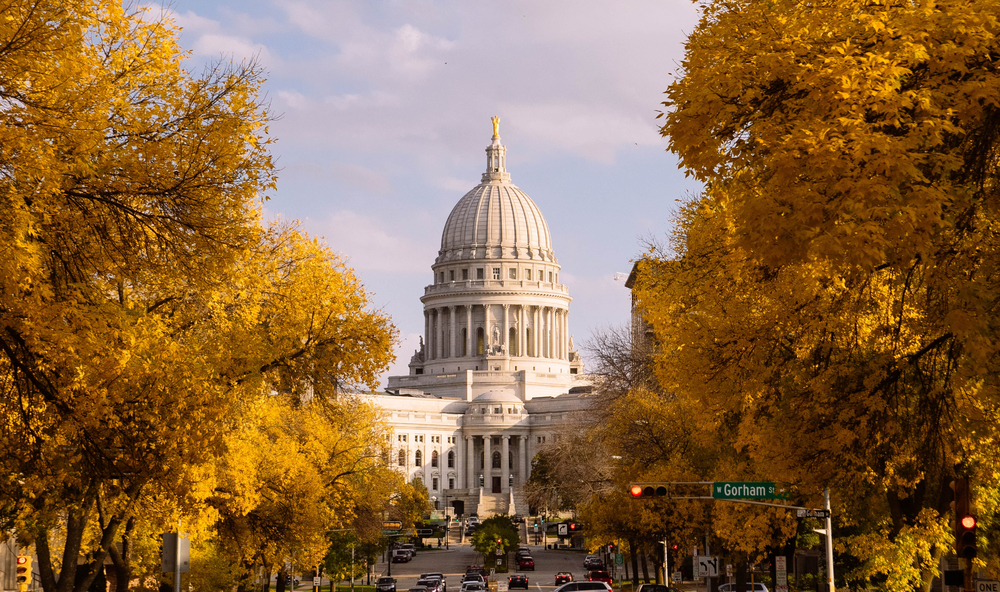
x=496 y=377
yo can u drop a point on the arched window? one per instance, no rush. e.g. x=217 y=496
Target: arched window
x=434 y=458
x=402 y=458
x=512 y=341
x=496 y=460
x=480 y=344
x=451 y=459
x=418 y=459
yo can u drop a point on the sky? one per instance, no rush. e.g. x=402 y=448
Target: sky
x=384 y=116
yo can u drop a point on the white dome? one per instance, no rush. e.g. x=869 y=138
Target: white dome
x=497 y=217
x=496 y=220
x=497 y=397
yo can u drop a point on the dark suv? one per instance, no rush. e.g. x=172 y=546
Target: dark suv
x=385 y=584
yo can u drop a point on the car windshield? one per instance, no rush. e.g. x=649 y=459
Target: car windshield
x=599 y=574
x=385 y=580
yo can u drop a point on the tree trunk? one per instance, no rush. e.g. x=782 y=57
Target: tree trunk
x=634 y=552
x=279 y=586
x=645 y=569
x=123 y=560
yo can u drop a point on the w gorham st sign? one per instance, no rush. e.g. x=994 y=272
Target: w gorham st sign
x=745 y=490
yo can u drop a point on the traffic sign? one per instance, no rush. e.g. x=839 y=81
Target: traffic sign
x=392 y=525
x=987 y=586
x=619 y=559
x=562 y=529
x=746 y=490
x=708 y=567
x=425 y=532
x=316 y=582
x=812 y=513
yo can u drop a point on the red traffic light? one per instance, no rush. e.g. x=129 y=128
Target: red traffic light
x=968 y=522
x=21 y=559
x=636 y=490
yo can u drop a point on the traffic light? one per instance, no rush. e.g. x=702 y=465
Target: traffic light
x=23 y=572
x=575 y=527
x=675 y=547
x=962 y=517
x=966 y=536
x=643 y=490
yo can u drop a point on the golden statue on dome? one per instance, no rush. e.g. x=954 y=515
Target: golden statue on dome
x=496 y=126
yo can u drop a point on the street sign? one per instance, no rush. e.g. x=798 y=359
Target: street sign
x=316 y=582
x=708 y=567
x=425 y=532
x=746 y=490
x=987 y=586
x=677 y=577
x=392 y=525
x=780 y=574
x=562 y=529
x=812 y=513
x=619 y=559
x=499 y=552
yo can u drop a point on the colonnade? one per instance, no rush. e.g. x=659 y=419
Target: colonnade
x=538 y=331
x=472 y=471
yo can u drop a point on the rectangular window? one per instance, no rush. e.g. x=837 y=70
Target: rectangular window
x=498 y=410
x=479 y=273
x=527 y=274
x=451 y=275
x=434 y=483
x=512 y=273
x=550 y=277
x=465 y=274
x=496 y=273
x=451 y=484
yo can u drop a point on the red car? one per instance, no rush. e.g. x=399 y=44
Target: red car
x=600 y=576
x=526 y=562
x=517 y=581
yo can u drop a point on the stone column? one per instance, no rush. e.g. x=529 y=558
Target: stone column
x=428 y=353
x=451 y=339
x=504 y=464
x=469 y=337
x=530 y=446
x=487 y=464
x=459 y=464
x=521 y=345
x=438 y=334
x=535 y=316
x=470 y=459
x=551 y=333
x=427 y=464
x=562 y=332
x=522 y=449
x=506 y=329
x=487 y=330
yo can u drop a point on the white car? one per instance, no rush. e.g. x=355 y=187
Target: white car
x=473 y=586
x=755 y=587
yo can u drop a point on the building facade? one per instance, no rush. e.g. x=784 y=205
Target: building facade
x=496 y=376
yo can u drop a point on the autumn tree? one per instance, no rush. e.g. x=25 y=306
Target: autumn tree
x=828 y=304
x=145 y=310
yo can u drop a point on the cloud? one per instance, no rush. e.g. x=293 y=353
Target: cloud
x=206 y=37
x=366 y=241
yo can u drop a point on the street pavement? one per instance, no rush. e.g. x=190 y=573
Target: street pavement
x=452 y=563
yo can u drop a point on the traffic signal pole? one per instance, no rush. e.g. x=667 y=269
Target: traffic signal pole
x=829 y=539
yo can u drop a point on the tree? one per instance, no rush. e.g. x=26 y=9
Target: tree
x=145 y=310
x=496 y=533
x=829 y=300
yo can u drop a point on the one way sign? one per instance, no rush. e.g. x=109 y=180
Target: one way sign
x=708 y=567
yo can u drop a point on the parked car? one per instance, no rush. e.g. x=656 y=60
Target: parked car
x=599 y=575
x=385 y=584
x=563 y=577
x=526 y=562
x=584 y=586
x=755 y=587
x=401 y=556
x=517 y=581
x=521 y=552
x=592 y=562
x=409 y=547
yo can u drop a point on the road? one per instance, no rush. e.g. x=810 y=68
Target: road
x=453 y=562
